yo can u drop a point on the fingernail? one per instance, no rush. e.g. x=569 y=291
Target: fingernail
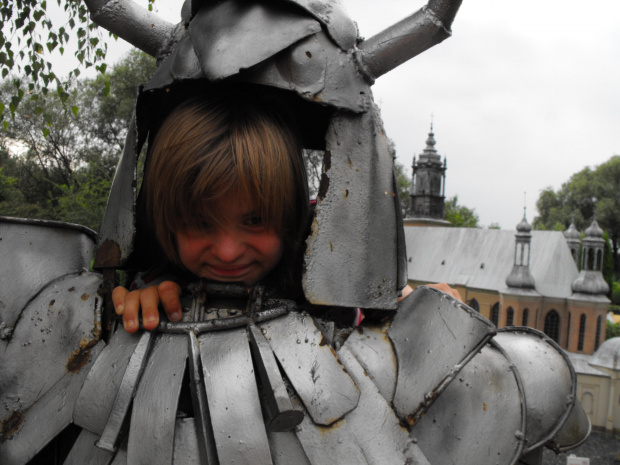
x=150 y=320
x=175 y=316
x=120 y=309
x=129 y=324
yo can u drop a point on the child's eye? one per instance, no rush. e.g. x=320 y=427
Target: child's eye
x=254 y=221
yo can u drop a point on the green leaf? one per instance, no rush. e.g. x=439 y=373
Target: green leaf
x=75 y=110
x=46 y=132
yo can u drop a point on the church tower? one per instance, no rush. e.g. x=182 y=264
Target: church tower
x=590 y=279
x=573 y=237
x=520 y=276
x=428 y=187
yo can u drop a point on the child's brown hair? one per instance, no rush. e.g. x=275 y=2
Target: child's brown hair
x=224 y=142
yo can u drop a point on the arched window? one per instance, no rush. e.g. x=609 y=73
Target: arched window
x=526 y=316
x=570 y=316
x=510 y=317
x=590 y=265
x=495 y=314
x=552 y=325
x=597 y=336
x=473 y=303
x=599 y=260
x=582 y=332
x=587 y=402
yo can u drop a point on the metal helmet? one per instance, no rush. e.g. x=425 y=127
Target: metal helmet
x=311 y=51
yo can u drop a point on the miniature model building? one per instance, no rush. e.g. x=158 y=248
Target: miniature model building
x=525 y=279
x=428 y=188
x=530 y=278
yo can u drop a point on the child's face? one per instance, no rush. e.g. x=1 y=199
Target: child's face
x=240 y=249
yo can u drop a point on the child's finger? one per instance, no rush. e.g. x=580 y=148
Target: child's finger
x=447 y=289
x=131 y=307
x=149 y=302
x=118 y=298
x=169 y=293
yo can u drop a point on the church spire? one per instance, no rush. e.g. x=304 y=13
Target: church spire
x=428 y=184
x=573 y=237
x=590 y=279
x=520 y=276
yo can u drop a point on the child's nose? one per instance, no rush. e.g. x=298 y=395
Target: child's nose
x=228 y=248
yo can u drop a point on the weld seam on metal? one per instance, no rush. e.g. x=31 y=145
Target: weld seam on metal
x=432 y=16
x=364 y=70
x=223 y=324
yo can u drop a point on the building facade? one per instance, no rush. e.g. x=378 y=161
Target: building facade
x=532 y=278
x=525 y=279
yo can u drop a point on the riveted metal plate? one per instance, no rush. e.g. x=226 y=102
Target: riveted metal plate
x=121 y=455
x=84 y=451
x=333 y=14
x=312 y=367
x=28 y=434
x=96 y=398
x=573 y=432
x=34 y=253
x=374 y=424
x=184 y=61
x=234 y=35
x=286 y=448
x=202 y=420
x=479 y=418
x=153 y=416
x=373 y=350
x=232 y=395
x=186 y=444
x=118 y=227
x=355 y=219
x=549 y=381
x=318 y=71
x=326 y=445
x=436 y=335
x=56 y=333
x=126 y=391
x=282 y=415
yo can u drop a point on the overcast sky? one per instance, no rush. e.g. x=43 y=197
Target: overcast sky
x=524 y=94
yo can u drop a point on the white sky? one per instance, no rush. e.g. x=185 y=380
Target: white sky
x=525 y=94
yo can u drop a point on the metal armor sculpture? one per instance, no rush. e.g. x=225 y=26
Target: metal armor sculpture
x=248 y=379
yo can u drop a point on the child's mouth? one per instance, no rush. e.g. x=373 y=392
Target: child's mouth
x=229 y=271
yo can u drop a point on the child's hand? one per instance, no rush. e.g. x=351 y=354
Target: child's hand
x=128 y=304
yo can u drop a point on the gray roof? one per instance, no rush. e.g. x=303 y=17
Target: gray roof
x=581 y=363
x=483 y=259
x=608 y=355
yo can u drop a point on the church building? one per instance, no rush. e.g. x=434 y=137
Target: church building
x=520 y=278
